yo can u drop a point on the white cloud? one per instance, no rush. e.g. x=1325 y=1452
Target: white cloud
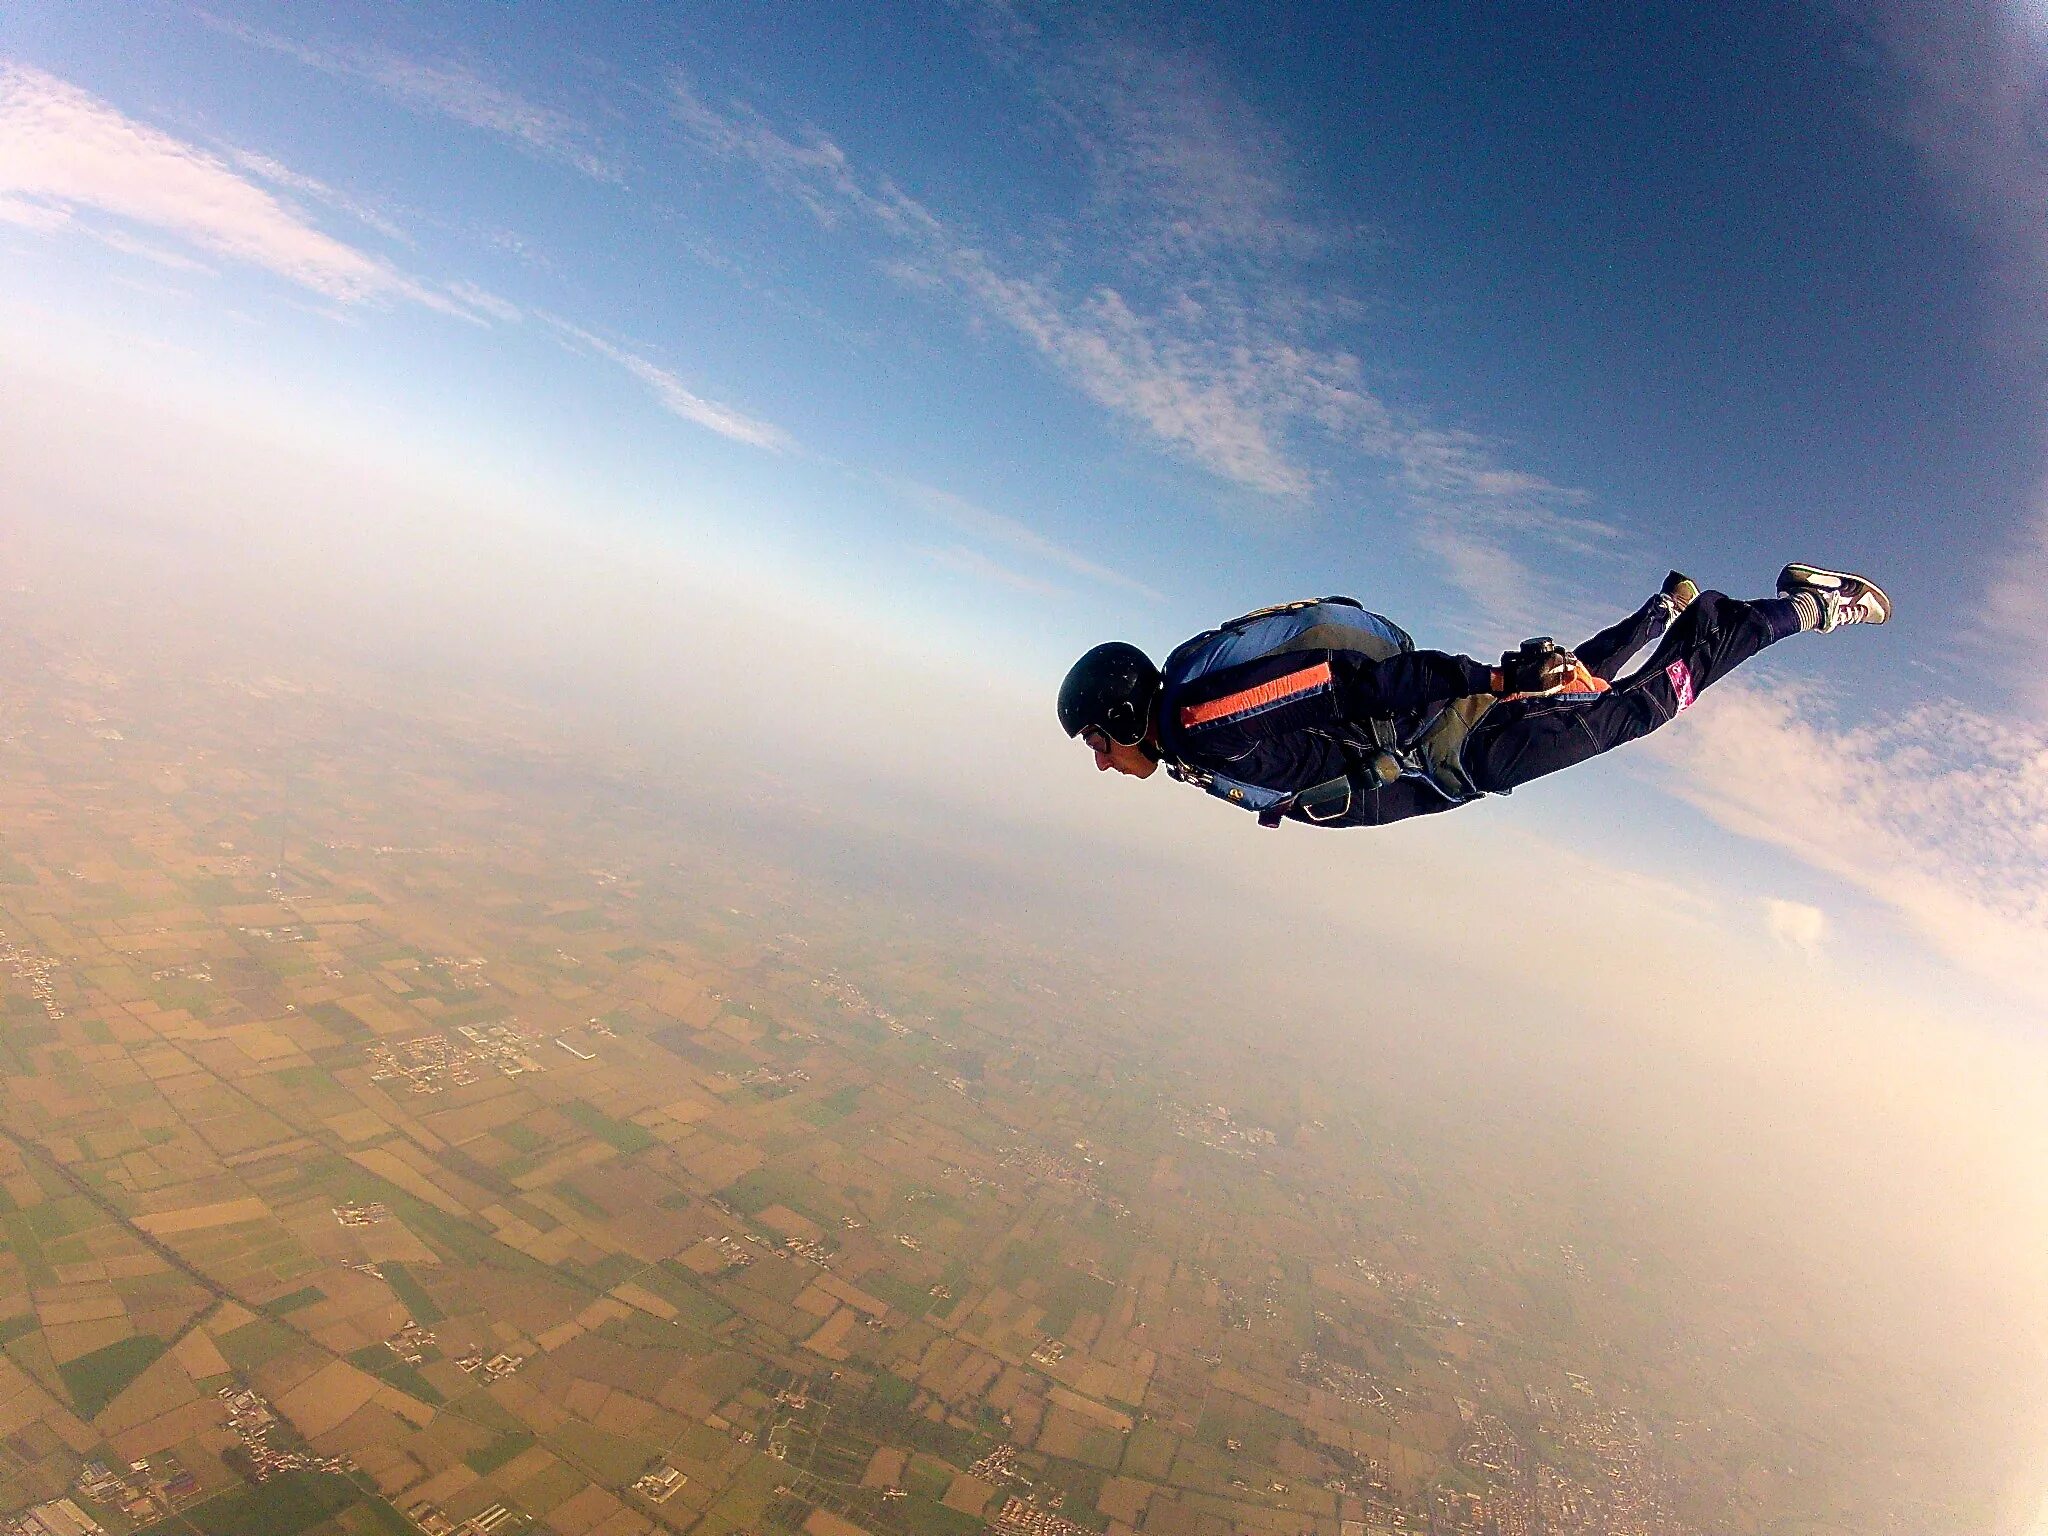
x=280 y=175
x=1181 y=163
x=1204 y=194
x=966 y=516
x=485 y=302
x=1500 y=586
x=1940 y=814
x=456 y=91
x=40 y=217
x=447 y=89
x=62 y=150
x=1796 y=925
x=676 y=397
x=1213 y=364
x=1183 y=394
x=128 y=245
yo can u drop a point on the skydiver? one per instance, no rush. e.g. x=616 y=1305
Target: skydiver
x=1323 y=713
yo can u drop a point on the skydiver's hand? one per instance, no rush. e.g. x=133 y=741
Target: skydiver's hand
x=1540 y=666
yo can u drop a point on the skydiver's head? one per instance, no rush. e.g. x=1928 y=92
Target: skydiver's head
x=1110 y=701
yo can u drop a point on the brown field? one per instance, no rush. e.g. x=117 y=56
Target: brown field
x=199 y=1355
x=406 y=1406
x=75 y=1339
x=584 y=1513
x=358 y=1125
x=969 y=1495
x=823 y=1522
x=102 y=1303
x=1087 y=1408
x=196 y=1419
x=542 y=1491
x=830 y=1340
x=1124 y=1498
x=163 y=1388
x=327 y=1397
x=586 y=1399
x=197 y=1218
x=645 y=1300
x=443 y=1485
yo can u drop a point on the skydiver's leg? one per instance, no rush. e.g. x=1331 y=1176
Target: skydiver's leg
x=1612 y=649
x=1528 y=738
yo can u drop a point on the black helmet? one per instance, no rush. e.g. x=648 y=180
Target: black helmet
x=1111 y=688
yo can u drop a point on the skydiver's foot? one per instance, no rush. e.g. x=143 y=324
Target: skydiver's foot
x=1829 y=599
x=1678 y=592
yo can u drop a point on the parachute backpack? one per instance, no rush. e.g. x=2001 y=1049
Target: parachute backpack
x=1316 y=624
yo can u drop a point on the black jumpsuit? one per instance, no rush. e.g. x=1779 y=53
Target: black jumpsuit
x=1292 y=747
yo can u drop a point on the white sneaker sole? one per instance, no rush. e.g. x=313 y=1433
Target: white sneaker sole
x=1860 y=590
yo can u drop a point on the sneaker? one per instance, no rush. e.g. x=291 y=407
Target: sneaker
x=1678 y=592
x=1842 y=598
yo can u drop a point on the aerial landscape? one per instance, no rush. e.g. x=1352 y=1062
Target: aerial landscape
x=409 y=1127
x=565 y=967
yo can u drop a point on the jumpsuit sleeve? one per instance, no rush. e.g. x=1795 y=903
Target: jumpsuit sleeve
x=1405 y=684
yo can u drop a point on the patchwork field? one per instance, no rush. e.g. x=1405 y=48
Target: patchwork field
x=507 y=1142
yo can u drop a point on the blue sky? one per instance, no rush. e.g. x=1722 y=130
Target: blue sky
x=1393 y=304
x=1040 y=326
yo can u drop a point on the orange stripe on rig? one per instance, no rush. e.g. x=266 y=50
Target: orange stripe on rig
x=1280 y=689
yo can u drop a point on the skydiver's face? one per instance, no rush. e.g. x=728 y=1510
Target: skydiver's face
x=1132 y=759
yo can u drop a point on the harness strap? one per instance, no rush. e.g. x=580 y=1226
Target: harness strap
x=1440 y=749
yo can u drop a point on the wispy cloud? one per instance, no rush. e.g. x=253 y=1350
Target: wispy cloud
x=678 y=398
x=1180 y=161
x=1940 y=814
x=1206 y=197
x=485 y=302
x=281 y=175
x=62 y=150
x=1213 y=364
x=445 y=88
x=40 y=217
x=1975 y=74
x=994 y=527
x=128 y=245
x=1796 y=925
x=971 y=562
x=1196 y=399
x=2016 y=603
x=1498 y=583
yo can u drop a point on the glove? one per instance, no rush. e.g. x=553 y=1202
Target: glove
x=1540 y=666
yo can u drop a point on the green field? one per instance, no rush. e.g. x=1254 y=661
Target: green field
x=520 y=1138
x=286 y=1505
x=417 y=1302
x=378 y=1360
x=250 y=1345
x=623 y=1134
x=501 y=1450
x=305 y=1296
x=95 y=1380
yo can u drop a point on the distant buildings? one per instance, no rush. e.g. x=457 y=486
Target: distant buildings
x=658 y=1487
x=60 y=1517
